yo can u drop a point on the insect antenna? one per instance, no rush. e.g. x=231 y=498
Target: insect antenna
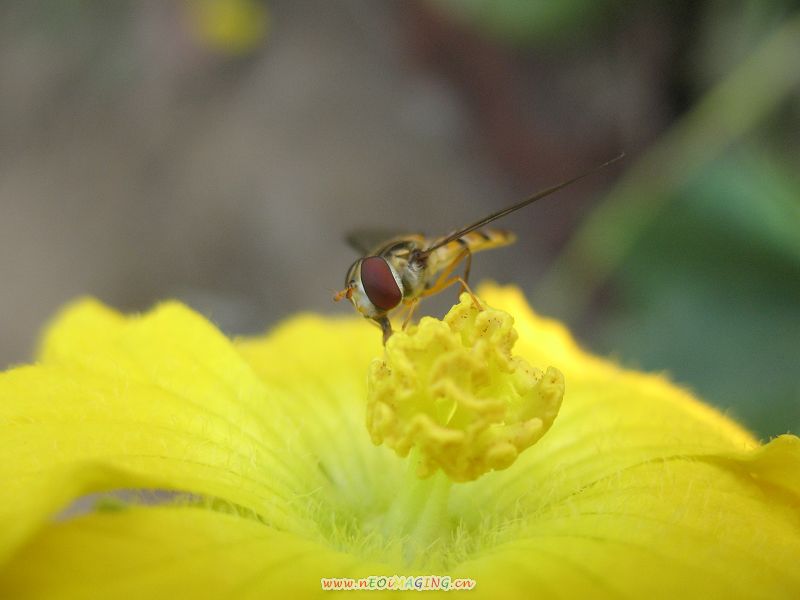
x=506 y=211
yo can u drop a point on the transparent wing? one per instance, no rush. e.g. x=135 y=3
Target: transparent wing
x=364 y=241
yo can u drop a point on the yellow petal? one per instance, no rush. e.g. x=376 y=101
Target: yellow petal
x=634 y=490
x=777 y=464
x=321 y=364
x=172 y=552
x=637 y=489
x=542 y=337
x=678 y=528
x=610 y=420
x=158 y=401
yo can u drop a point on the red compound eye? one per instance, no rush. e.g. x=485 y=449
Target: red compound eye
x=379 y=283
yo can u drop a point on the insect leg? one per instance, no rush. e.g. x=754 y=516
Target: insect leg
x=446 y=284
x=439 y=284
x=467 y=267
x=443 y=282
x=407 y=305
x=412 y=306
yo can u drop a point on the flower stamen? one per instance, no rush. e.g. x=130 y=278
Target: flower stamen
x=452 y=390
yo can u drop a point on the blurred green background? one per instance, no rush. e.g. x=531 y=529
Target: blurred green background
x=219 y=151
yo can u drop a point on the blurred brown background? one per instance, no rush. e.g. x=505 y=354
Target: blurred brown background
x=219 y=150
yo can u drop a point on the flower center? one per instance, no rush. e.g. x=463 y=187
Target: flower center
x=452 y=391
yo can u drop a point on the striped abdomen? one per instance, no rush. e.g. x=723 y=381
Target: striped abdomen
x=474 y=241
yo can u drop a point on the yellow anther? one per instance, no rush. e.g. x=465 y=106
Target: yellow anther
x=452 y=390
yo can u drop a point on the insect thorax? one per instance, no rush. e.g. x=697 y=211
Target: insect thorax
x=402 y=256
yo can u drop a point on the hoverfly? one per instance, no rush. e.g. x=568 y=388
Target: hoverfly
x=404 y=269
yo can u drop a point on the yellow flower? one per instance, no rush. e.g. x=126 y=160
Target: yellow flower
x=637 y=489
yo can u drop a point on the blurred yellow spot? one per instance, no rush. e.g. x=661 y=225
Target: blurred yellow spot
x=231 y=26
x=452 y=390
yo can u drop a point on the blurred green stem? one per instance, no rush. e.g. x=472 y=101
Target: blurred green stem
x=729 y=110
